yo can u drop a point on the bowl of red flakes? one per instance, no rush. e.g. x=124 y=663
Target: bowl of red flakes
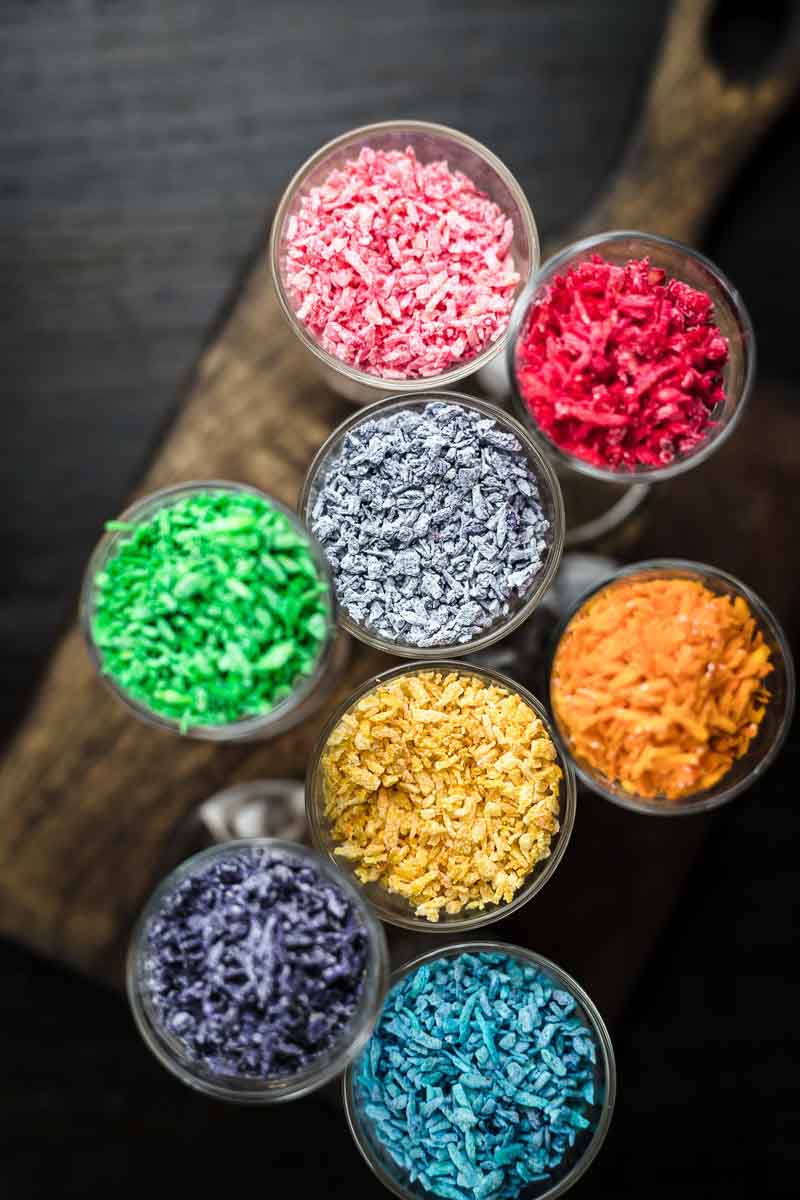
x=397 y=253
x=631 y=356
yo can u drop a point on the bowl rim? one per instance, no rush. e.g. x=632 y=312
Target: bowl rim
x=546 y=479
x=243 y=727
x=244 y=1089
x=295 y=184
x=541 y=873
x=599 y=1030
x=542 y=276
x=764 y=616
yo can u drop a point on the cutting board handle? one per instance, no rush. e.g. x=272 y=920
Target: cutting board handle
x=696 y=129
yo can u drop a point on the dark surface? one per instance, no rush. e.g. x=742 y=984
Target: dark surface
x=141 y=148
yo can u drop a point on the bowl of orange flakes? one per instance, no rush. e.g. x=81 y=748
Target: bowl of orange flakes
x=672 y=687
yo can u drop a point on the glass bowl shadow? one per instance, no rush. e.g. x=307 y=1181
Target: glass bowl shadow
x=590 y=1144
x=171 y=1052
x=779 y=709
x=683 y=263
x=523 y=604
x=305 y=696
x=395 y=909
x=430 y=142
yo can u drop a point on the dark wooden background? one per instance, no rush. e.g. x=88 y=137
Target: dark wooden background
x=142 y=148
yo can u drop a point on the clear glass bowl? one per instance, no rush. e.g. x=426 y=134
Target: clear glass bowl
x=430 y=143
x=549 y=497
x=777 y=718
x=173 y=1055
x=679 y=262
x=588 y=1145
x=309 y=692
x=396 y=909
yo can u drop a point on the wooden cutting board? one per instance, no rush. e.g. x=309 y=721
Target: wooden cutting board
x=89 y=797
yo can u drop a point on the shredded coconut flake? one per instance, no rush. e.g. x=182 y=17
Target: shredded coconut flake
x=399 y=268
x=444 y=789
x=622 y=365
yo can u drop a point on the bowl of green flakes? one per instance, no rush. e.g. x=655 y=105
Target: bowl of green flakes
x=208 y=610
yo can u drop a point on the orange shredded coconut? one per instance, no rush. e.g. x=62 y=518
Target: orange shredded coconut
x=657 y=685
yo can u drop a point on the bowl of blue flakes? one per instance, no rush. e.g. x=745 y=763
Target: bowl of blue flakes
x=440 y=520
x=489 y=1075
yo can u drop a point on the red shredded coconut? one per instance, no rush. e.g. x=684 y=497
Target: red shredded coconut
x=400 y=268
x=622 y=366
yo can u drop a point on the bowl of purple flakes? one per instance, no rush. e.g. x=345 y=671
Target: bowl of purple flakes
x=256 y=971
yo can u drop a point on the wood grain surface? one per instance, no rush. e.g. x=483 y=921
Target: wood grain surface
x=89 y=797
x=696 y=128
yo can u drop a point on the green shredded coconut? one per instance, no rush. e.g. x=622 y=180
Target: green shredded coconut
x=213 y=609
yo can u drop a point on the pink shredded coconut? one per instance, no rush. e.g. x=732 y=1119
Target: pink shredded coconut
x=401 y=269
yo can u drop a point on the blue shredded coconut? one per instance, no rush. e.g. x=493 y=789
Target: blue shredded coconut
x=431 y=523
x=481 y=1078
x=256 y=963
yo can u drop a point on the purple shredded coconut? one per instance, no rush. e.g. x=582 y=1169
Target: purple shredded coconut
x=256 y=963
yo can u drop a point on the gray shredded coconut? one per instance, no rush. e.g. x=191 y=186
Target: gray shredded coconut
x=431 y=523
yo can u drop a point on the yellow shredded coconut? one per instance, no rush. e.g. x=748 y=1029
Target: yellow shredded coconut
x=442 y=788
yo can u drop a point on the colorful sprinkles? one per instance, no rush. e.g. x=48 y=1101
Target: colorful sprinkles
x=211 y=608
x=444 y=788
x=480 y=1079
x=400 y=268
x=255 y=962
x=621 y=366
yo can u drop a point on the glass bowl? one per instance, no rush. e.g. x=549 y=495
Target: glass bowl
x=777 y=716
x=393 y=908
x=305 y=697
x=243 y=1090
x=430 y=143
x=588 y=1144
x=549 y=497
x=679 y=262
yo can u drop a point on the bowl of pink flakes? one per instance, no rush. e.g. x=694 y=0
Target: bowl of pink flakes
x=397 y=253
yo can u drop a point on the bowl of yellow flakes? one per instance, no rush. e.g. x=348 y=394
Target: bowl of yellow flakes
x=440 y=789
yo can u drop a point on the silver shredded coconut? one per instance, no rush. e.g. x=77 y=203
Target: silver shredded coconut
x=432 y=525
